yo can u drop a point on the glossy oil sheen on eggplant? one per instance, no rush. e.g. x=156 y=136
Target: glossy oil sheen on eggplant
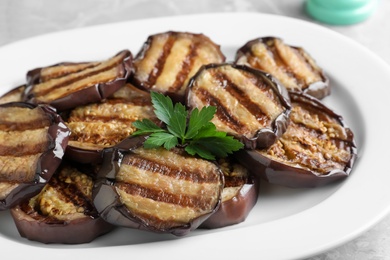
x=33 y=139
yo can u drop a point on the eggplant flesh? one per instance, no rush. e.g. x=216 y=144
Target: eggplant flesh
x=67 y=85
x=318 y=148
x=156 y=189
x=168 y=60
x=33 y=143
x=62 y=212
x=292 y=66
x=104 y=124
x=251 y=105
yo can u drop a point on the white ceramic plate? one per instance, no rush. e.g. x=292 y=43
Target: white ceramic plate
x=285 y=223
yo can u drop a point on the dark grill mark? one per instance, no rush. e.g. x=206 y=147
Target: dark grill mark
x=141 y=101
x=24 y=149
x=100 y=119
x=161 y=196
x=24 y=126
x=66 y=70
x=302 y=156
x=222 y=112
x=232 y=181
x=243 y=98
x=71 y=193
x=72 y=80
x=158 y=67
x=185 y=69
x=149 y=164
x=283 y=64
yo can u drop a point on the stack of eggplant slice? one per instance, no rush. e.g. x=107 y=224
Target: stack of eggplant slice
x=83 y=173
x=317 y=147
x=50 y=197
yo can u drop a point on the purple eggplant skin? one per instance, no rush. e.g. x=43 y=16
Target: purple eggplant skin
x=48 y=162
x=279 y=173
x=83 y=155
x=72 y=228
x=236 y=209
x=87 y=229
x=107 y=201
x=265 y=136
x=94 y=93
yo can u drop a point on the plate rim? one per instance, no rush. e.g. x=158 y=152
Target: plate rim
x=352 y=233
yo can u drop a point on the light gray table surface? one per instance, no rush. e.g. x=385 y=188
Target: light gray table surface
x=21 y=19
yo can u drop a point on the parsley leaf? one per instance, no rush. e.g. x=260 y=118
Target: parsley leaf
x=199 y=119
x=161 y=139
x=189 y=129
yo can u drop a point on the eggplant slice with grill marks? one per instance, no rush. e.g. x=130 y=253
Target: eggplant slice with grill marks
x=63 y=211
x=33 y=139
x=14 y=95
x=251 y=105
x=67 y=85
x=106 y=123
x=317 y=148
x=164 y=191
x=292 y=66
x=239 y=195
x=168 y=60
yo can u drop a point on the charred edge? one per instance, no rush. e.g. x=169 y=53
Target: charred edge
x=182 y=200
x=149 y=164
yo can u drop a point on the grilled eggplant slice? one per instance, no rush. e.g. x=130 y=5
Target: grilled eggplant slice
x=317 y=148
x=292 y=66
x=168 y=60
x=14 y=95
x=67 y=85
x=239 y=195
x=251 y=105
x=33 y=139
x=63 y=211
x=106 y=123
x=164 y=191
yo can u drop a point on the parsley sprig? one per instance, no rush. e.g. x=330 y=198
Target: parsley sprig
x=191 y=130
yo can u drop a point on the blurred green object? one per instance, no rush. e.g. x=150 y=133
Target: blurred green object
x=340 y=12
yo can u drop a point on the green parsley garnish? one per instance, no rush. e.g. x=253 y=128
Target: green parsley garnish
x=191 y=130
